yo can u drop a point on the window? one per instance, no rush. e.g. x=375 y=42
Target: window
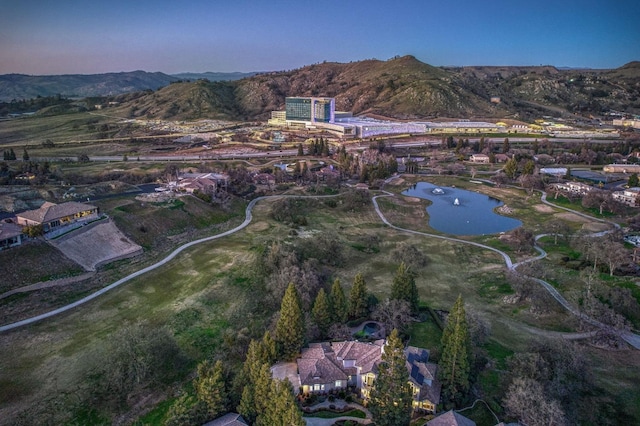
x=339 y=383
x=318 y=387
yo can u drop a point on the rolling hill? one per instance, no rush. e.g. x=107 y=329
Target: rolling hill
x=405 y=88
x=20 y=86
x=402 y=87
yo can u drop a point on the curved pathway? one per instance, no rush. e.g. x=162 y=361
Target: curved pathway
x=631 y=338
x=247 y=221
x=248 y=218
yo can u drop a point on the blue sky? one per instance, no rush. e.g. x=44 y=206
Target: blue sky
x=72 y=36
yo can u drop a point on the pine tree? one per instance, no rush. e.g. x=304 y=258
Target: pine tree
x=25 y=155
x=358 y=298
x=506 y=146
x=511 y=168
x=268 y=347
x=391 y=395
x=338 y=303
x=454 y=365
x=282 y=409
x=404 y=287
x=321 y=312
x=12 y=154
x=290 y=327
x=255 y=395
x=210 y=388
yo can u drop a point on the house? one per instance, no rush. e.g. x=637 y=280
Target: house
x=422 y=378
x=629 y=196
x=53 y=216
x=10 y=235
x=329 y=366
x=479 y=158
x=204 y=183
x=451 y=418
x=577 y=188
x=229 y=419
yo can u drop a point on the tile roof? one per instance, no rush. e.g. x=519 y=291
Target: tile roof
x=451 y=418
x=9 y=230
x=324 y=362
x=51 y=211
x=230 y=419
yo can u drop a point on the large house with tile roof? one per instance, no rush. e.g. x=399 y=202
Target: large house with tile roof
x=52 y=216
x=331 y=366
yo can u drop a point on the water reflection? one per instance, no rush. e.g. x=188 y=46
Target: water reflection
x=461 y=212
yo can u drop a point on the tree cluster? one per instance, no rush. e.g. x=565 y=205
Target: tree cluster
x=547 y=385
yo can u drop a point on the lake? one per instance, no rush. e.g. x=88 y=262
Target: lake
x=472 y=214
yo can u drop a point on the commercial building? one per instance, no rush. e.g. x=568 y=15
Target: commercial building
x=623 y=122
x=621 y=168
x=320 y=113
x=310 y=110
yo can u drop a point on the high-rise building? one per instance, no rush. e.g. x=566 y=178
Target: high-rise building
x=310 y=109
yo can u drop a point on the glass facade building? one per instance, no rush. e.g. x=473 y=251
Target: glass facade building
x=310 y=109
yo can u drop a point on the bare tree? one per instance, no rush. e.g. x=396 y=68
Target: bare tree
x=528 y=402
x=393 y=314
x=615 y=254
x=522 y=239
x=558 y=227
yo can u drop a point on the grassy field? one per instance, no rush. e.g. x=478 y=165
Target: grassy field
x=203 y=298
x=17 y=265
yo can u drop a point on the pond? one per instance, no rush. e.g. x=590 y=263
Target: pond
x=461 y=212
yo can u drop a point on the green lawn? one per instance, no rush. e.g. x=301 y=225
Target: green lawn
x=207 y=299
x=329 y=414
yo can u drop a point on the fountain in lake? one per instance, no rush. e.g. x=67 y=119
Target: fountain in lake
x=456 y=202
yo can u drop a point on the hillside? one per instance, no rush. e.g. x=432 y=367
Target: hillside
x=405 y=88
x=20 y=86
x=402 y=87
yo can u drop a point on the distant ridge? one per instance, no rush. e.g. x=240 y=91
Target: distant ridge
x=214 y=76
x=401 y=87
x=21 y=86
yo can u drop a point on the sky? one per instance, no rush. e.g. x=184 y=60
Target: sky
x=42 y=37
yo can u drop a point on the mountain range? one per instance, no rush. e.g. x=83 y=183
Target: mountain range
x=21 y=86
x=402 y=87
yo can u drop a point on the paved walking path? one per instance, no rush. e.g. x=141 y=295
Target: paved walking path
x=170 y=257
x=629 y=337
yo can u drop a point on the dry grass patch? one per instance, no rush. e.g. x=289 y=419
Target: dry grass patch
x=572 y=217
x=543 y=208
